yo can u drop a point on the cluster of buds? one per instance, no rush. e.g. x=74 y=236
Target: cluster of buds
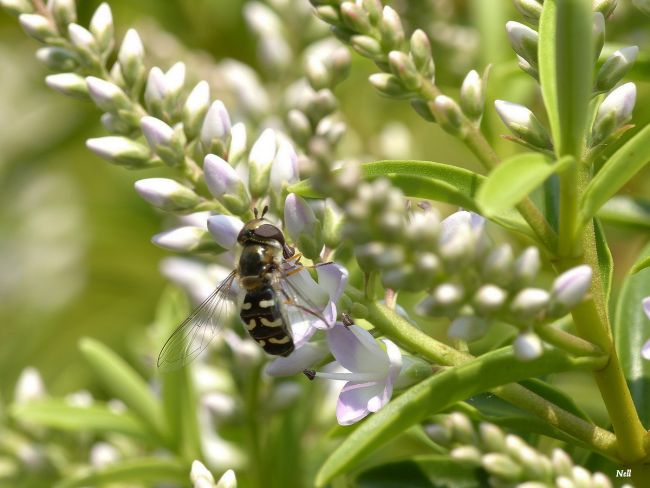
x=313 y=121
x=406 y=64
x=506 y=458
x=615 y=110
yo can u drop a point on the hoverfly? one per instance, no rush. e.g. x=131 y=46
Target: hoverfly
x=262 y=273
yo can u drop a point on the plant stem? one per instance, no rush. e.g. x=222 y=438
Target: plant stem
x=418 y=342
x=568 y=342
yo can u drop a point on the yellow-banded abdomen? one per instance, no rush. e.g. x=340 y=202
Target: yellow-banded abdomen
x=262 y=316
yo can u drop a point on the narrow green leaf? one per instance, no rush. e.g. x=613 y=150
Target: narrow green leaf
x=434 y=394
x=631 y=330
x=97 y=418
x=616 y=172
x=626 y=211
x=428 y=180
x=418 y=472
x=605 y=260
x=137 y=471
x=547 y=65
x=514 y=179
x=125 y=383
x=574 y=71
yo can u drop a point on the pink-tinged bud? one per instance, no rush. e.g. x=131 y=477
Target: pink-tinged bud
x=615 y=111
x=216 y=124
x=225 y=184
x=185 y=239
x=156 y=132
x=523 y=124
x=167 y=194
x=106 y=95
x=195 y=109
x=528 y=346
x=302 y=226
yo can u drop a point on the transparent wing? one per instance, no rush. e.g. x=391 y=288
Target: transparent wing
x=304 y=301
x=197 y=331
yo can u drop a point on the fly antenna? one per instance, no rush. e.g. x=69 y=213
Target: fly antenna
x=264 y=210
x=255 y=212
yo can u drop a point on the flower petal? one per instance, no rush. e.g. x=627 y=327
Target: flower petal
x=303 y=281
x=299 y=360
x=301 y=328
x=645 y=350
x=352 y=405
x=333 y=278
x=646 y=306
x=225 y=229
x=356 y=350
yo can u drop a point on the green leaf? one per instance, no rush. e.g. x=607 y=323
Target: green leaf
x=573 y=51
x=434 y=394
x=147 y=471
x=616 y=172
x=514 y=179
x=605 y=260
x=547 y=65
x=640 y=265
x=179 y=397
x=419 y=472
x=631 y=330
x=97 y=418
x=125 y=383
x=428 y=180
x=626 y=211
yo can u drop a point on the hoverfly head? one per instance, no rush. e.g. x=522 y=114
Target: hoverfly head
x=260 y=230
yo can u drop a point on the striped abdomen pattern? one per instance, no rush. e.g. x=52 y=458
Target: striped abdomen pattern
x=263 y=319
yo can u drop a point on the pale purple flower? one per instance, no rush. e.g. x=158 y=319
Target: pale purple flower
x=645 y=351
x=225 y=229
x=370 y=371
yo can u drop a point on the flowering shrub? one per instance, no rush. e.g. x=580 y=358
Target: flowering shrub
x=442 y=334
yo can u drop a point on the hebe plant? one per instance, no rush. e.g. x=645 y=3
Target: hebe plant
x=400 y=272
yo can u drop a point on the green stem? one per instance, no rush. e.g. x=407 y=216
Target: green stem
x=569 y=342
x=416 y=341
x=252 y=409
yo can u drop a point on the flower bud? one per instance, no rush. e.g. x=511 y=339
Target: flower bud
x=167 y=194
x=448 y=114
x=302 y=226
x=524 y=41
x=107 y=96
x=121 y=151
x=413 y=371
x=237 y=146
x=174 y=80
x=561 y=462
x=227 y=480
x=186 y=239
x=615 y=68
x=489 y=299
x=598 y=34
x=367 y=255
x=501 y=466
x=70 y=84
x=530 y=9
x=103 y=454
x=225 y=229
x=523 y=124
x=472 y=96
x=284 y=169
x=58 y=58
x=403 y=67
x=82 y=38
x=390 y=27
x=456 y=247
x=423 y=110
x=527 y=266
x=226 y=185
x=420 y=49
x=17 y=7
x=439 y=434
x=569 y=289
x=642 y=5
x=131 y=58
x=199 y=471
x=156 y=132
x=605 y=7
x=497 y=265
x=528 y=346
x=216 y=127
x=529 y=302
x=367 y=46
x=467 y=328
x=615 y=111
x=317 y=73
x=388 y=85
x=355 y=17
x=37 y=27
x=260 y=161
x=492 y=437
x=64 y=13
x=446 y=299
x=101 y=26
x=299 y=126
x=29 y=387
x=327 y=13
x=468 y=457
x=155 y=90
x=527 y=68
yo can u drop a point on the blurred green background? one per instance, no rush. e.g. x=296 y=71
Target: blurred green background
x=75 y=252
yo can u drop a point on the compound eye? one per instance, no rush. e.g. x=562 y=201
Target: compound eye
x=268 y=231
